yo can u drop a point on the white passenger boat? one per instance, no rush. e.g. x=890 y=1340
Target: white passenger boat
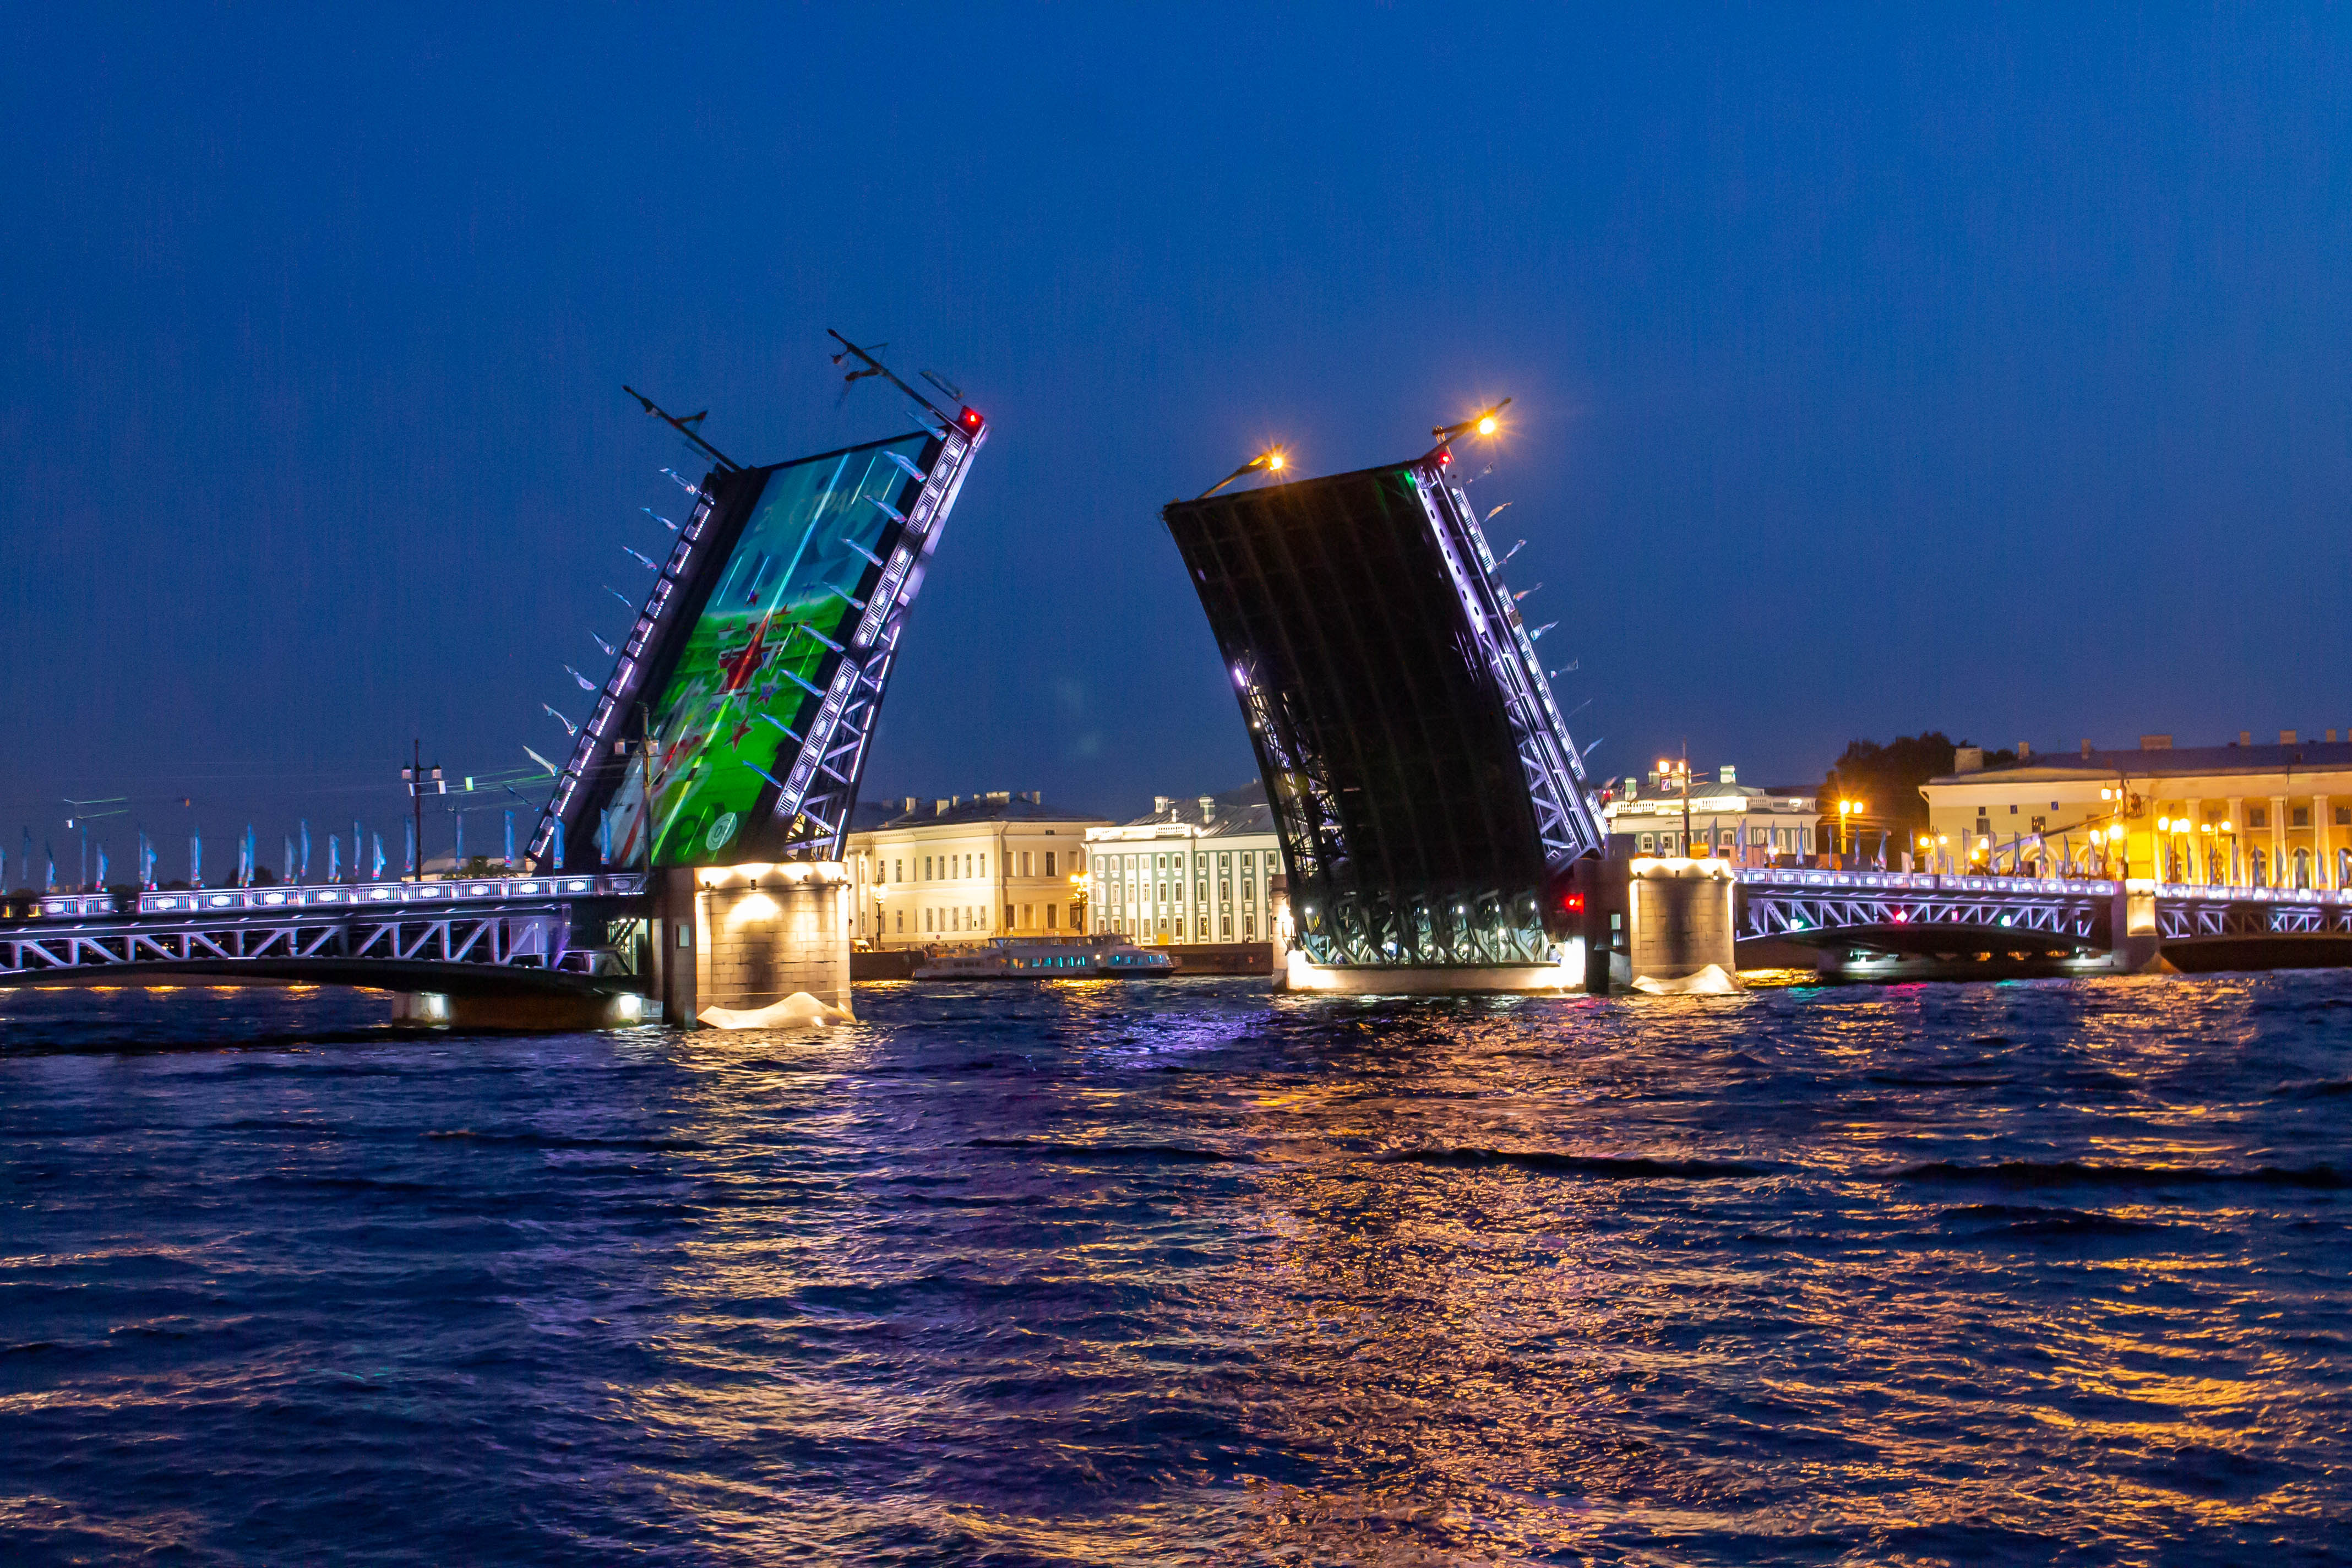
x=1033 y=958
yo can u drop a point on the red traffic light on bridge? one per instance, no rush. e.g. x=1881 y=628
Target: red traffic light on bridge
x=1572 y=902
x=972 y=419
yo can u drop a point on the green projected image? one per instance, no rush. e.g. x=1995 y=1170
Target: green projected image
x=785 y=595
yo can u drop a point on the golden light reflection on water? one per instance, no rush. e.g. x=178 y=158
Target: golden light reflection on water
x=1366 y=1355
x=1101 y=1274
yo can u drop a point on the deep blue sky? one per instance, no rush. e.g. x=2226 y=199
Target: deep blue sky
x=1873 y=372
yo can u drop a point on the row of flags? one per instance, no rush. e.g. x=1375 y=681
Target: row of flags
x=366 y=850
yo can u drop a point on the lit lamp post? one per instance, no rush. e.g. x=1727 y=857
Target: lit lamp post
x=1848 y=810
x=1672 y=770
x=1078 y=901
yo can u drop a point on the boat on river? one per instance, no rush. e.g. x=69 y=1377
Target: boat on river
x=1045 y=958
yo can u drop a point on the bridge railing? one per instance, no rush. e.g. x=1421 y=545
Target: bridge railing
x=344 y=896
x=1918 y=881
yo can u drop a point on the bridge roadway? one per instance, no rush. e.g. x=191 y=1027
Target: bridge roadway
x=1877 y=921
x=545 y=938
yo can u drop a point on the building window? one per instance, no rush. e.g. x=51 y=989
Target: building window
x=2258 y=816
x=1226 y=924
x=1027 y=860
x=1180 y=928
x=1008 y=917
x=1075 y=923
x=1649 y=842
x=1249 y=925
x=1049 y=919
x=902 y=922
x=1049 y=862
x=2302 y=818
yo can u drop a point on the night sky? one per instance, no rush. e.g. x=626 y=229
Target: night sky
x=1872 y=373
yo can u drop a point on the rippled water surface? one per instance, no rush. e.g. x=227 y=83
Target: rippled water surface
x=1178 y=1272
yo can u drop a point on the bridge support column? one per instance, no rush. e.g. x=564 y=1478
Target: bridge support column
x=1679 y=922
x=746 y=937
x=2135 y=943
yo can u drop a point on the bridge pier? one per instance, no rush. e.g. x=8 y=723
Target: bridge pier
x=1657 y=920
x=745 y=937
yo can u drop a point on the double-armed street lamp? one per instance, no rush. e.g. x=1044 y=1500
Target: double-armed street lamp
x=1670 y=771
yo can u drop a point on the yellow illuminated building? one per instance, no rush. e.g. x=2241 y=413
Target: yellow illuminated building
x=2231 y=816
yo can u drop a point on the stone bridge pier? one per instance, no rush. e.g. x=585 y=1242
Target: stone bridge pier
x=1662 y=921
x=744 y=937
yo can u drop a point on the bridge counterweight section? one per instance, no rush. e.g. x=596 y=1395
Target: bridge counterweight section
x=1427 y=797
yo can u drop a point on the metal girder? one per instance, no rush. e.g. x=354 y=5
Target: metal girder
x=529 y=935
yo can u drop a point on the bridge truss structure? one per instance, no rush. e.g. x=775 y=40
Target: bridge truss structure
x=1921 y=913
x=494 y=934
x=1424 y=787
x=1905 y=912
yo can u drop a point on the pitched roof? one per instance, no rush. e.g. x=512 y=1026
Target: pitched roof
x=996 y=805
x=1236 y=811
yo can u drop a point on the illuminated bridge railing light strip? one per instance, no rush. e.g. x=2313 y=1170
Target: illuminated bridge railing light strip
x=348 y=895
x=1918 y=881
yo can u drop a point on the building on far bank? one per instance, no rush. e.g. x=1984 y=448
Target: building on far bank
x=1205 y=869
x=1645 y=816
x=969 y=867
x=2238 y=815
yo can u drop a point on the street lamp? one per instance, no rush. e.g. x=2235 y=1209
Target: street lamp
x=1673 y=769
x=1273 y=461
x=1847 y=811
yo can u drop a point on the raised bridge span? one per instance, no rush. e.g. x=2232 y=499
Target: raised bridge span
x=690 y=850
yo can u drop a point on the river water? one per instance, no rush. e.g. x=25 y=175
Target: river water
x=1180 y=1272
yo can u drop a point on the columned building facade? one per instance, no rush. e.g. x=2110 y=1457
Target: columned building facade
x=969 y=868
x=1727 y=818
x=2231 y=815
x=1205 y=869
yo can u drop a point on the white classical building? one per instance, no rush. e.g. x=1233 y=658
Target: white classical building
x=1197 y=870
x=1645 y=816
x=969 y=867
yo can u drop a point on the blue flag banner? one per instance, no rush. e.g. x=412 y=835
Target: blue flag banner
x=305 y=873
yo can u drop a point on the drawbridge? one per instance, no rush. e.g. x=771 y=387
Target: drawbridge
x=720 y=760
x=1430 y=802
